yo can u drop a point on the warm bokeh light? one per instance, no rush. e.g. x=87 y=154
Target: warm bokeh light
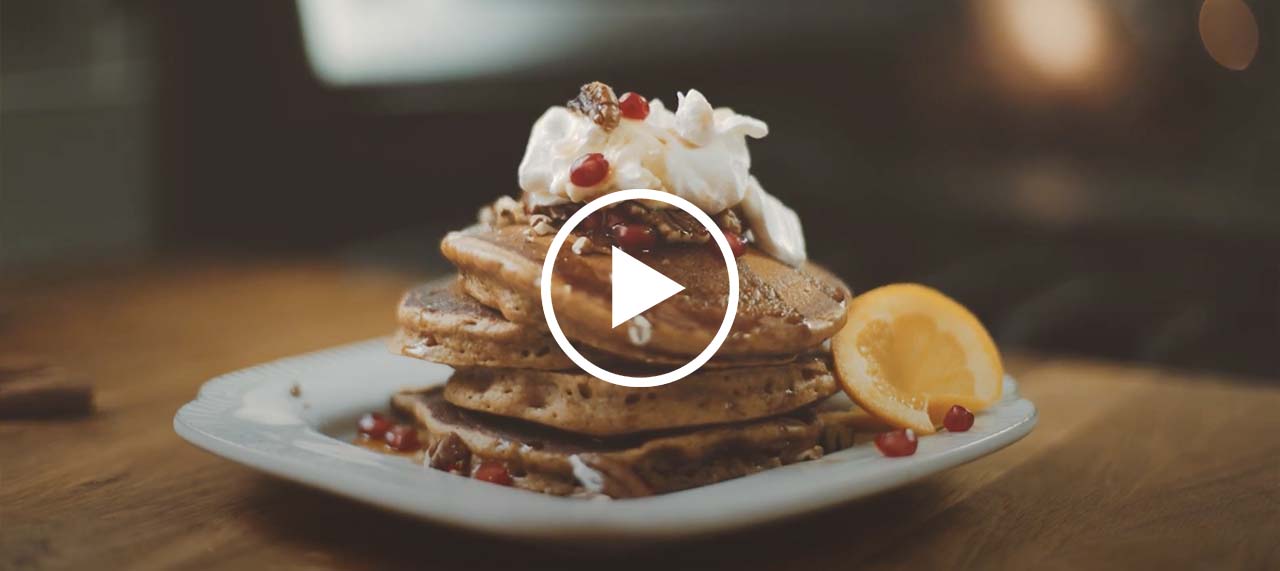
x=1059 y=38
x=1229 y=33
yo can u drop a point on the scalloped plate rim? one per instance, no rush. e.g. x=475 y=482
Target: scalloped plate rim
x=249 y=416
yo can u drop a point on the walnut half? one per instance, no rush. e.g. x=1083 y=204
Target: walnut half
x=597 y=101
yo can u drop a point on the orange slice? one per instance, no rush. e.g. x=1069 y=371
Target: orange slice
x=908 y=353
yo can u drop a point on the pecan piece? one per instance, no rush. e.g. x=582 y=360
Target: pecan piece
x=673 y=224
x=729 y=221
x=597 y=101
x=558 y=213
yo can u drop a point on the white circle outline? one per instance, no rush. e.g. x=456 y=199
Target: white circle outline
x=731 y=311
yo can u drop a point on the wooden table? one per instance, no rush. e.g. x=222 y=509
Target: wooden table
x=1130 y=467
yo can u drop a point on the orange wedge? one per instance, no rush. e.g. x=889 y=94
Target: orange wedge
x=908 y=353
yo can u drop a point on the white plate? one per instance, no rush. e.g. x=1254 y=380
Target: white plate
x=251 y=417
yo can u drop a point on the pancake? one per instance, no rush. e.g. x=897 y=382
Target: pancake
x=439 y=322
x=782 y=310
x=561 y=463
x=577 y=402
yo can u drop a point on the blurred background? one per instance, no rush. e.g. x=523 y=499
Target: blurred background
x=1092 y=177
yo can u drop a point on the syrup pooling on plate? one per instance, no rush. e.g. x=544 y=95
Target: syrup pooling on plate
x=380 y=432
x=383 y=433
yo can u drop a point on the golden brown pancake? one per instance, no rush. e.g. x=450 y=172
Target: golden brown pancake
x=562 y=463
x=578 y=402
x=441 y=323
x=782 y=310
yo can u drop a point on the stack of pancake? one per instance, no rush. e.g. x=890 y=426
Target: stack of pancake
x=516 y=400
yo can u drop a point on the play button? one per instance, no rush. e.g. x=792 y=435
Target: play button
x=637 y=287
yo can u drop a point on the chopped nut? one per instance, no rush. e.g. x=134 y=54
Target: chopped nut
x=597 y=101
x=580 y=244
x=557 y=212
x=673 y=224
x=504 y=211
x=639 y=330
x=814 y=453
x=541 y=224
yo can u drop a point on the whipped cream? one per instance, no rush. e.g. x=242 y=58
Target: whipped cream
x=698 y=153
x=776 y=227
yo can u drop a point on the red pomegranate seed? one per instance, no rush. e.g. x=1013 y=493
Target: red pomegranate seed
x=494 y=473
x=897 y=442
x=373 y=424
x=589 y=170
x=958 y=419
x=634 y=237
x=736 y=243
x=634 y=106
x=402 y=438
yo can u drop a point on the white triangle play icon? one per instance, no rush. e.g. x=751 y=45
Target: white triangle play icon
x=637 y=287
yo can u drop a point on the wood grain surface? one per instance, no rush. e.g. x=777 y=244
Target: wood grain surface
x=1130 y=467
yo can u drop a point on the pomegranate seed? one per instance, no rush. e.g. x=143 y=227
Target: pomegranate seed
x=589 y=170
x=958 y=419
x=897 y=442
x=494 y=473
x=634 y=106
x=736 y=243
x=634 y=237
x=373 y=424
x=402 y=438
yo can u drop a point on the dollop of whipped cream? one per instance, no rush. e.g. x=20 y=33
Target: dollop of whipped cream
x=698 y=153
